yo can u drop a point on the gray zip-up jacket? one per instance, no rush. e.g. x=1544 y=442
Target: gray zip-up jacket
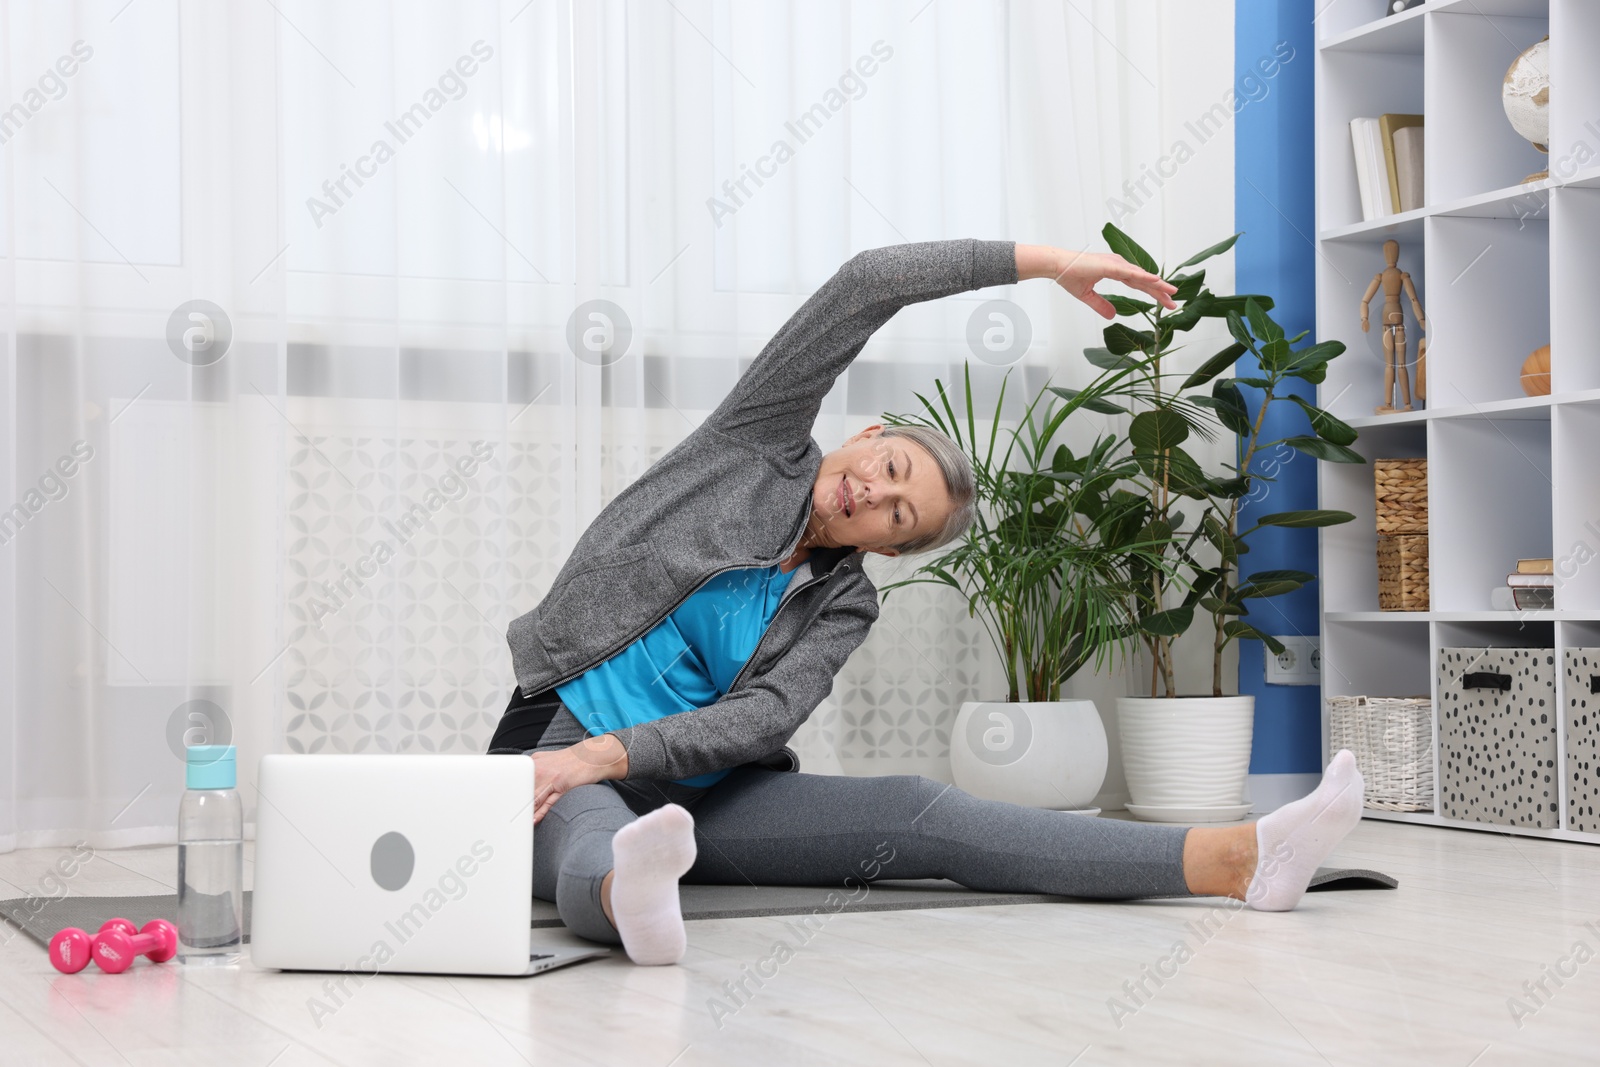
x=737 y=493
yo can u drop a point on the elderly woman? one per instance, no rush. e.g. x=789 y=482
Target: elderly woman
x=703 y=615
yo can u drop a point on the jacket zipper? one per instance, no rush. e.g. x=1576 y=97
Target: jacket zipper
x=794 y=541
x=762 y=639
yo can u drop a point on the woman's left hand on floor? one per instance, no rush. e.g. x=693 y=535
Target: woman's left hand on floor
x=557 y=771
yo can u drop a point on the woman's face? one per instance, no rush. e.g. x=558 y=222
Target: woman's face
x=876 y=491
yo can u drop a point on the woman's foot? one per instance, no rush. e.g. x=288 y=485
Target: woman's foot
x=649 y=855
x=1292 y=842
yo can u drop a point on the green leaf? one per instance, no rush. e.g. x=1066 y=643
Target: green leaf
x=1227 y=545
x=1189 y=285
x=1315 y=446
x=1260 y=324
x=1189 y=317
x=1213 y=366
x=1265 y=589
x=1215 y=250
x=1154 y=534
x=1124 y=246
x=1244 y=629
x=1169 y=623
x=1181 y=473
x=1313 y=375
x=1213 y=606
x=1120 y=340
x=1327 y=427
x=1302 y=519
x=1228 y=488
x=1204 y=581
x=1274 y=354
x=1237 y=304
x=1281 y=576
x=1158 y=430
x=1311 y=355
x=1093 y=403
x=1125 y=305
x=1237 y=328
x=1229 y=405
x=1108 y=360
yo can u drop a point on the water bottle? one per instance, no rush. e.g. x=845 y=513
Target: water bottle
x=210 y=859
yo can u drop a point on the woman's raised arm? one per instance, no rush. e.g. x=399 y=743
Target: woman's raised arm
x=774 y=404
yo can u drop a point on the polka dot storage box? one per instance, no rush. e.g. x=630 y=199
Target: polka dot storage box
x=1497 y=736
x=1583 y=739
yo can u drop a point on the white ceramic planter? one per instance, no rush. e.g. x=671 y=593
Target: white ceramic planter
x=1041 y=754
x=1186 y=752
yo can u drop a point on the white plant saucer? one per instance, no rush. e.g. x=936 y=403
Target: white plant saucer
x=1215 y=813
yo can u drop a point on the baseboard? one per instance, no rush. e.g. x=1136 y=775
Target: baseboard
x=1269 y=792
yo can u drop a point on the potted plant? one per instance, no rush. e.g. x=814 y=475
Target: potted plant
x=1186 y=757
x=1047 y=566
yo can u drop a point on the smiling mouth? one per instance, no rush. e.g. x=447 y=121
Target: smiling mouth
x=844 y=495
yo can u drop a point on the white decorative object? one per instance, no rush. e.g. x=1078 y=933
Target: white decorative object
x=1185 y=752
x=1526 y=97
x=1040 y=754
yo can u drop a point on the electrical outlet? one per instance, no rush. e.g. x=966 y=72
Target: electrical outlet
x=1300 y=662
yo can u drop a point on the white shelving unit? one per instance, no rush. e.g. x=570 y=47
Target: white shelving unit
x=1500 y=268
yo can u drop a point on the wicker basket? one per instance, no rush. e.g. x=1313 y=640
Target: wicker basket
x=1403 y=573
x=1392 y=738
x=1401 y=486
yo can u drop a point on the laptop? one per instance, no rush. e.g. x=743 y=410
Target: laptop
x=404 y=864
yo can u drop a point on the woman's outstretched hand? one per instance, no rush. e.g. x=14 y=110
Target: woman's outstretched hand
x=1079 y=272
x=560 y=770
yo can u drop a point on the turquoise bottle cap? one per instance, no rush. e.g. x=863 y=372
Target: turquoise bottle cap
x=211 y=767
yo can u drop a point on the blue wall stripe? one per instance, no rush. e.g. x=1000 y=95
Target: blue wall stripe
x=1273 y=186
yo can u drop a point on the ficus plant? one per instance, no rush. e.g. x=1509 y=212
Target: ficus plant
x=1192 y=513
x=1049 y=563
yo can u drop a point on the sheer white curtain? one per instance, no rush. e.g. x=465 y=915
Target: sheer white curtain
x=292 y=420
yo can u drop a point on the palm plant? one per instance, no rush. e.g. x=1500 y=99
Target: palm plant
x=1048 y=565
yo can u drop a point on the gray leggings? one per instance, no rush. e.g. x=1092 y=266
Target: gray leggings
x=765 y=827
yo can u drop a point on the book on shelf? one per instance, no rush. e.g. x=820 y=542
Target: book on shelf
x=1533 y=599
x=1402 y=146
x=1388 y=158
x=1542 y=565
x=1522 y=580
x=1372 y=179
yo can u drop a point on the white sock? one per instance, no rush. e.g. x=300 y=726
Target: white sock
x=1293 y=841
x=649 y=855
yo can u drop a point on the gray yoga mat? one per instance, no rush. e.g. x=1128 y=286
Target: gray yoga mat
x=41 y=917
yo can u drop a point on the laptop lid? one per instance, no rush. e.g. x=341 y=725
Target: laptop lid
x=393 y=863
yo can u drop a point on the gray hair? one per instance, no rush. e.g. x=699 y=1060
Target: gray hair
x=958 y=482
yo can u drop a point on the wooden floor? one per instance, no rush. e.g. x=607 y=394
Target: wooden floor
x=1425 y=974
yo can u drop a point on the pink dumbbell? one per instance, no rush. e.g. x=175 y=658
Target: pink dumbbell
x=70 y=949
x=117 y=944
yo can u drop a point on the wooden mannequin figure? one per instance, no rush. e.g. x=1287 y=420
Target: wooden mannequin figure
x=1393 y=280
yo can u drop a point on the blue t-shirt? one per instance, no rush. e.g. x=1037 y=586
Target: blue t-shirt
x=687 y=661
